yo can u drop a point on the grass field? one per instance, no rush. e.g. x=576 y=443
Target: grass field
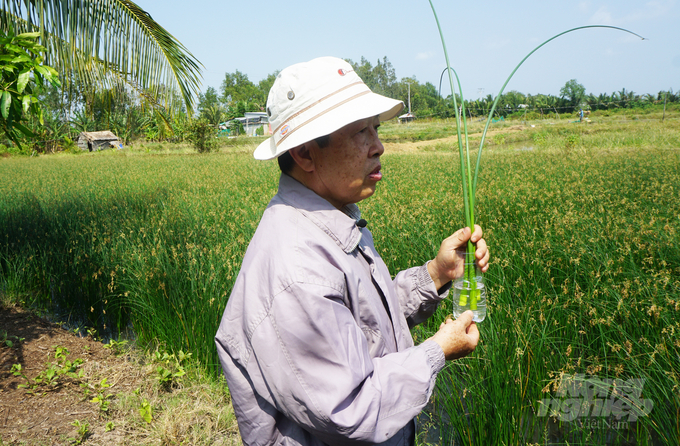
x=583 y=222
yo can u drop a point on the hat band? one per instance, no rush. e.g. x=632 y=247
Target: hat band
x=293 y=116
x=318 y=115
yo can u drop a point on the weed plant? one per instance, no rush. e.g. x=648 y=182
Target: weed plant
x=150 y=244
x=584 y=275
x=585 y=279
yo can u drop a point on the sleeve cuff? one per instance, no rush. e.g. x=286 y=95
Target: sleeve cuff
x=435 y=356
x=425 y=282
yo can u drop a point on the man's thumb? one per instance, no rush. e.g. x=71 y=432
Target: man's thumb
x=466 y=318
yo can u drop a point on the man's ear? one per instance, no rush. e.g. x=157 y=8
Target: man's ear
x=303 y=156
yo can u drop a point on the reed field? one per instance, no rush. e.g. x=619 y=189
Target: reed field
x=583 y=224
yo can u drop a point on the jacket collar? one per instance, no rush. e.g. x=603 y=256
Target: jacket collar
x=340 y=225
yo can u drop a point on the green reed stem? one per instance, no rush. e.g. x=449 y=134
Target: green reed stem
x=495 y=102
x=469 y=210
x=469 y=181
x=466 y=175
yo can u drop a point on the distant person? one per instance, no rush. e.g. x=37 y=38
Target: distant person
x=315 y=340
x=580 y=115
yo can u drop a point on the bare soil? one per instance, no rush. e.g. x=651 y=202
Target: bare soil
x=45 y=416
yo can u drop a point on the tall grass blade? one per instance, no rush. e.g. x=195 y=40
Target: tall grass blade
x=495 y=102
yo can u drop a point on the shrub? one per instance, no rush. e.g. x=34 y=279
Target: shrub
x=540 y=138
x=202 y=135
x=12 y=149
x=570 y=142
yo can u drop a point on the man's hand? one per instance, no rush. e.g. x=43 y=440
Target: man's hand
x=450 y=260
x=457 y=338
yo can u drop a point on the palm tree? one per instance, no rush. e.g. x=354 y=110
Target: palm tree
x=551 y=102
x=540 y=102
x=604 y=101
x=649 y=98
x=109 y=44
x=214 y=114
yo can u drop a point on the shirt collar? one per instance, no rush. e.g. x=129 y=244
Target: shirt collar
x=340 y=225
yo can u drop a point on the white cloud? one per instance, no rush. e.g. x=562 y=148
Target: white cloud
x=651 y=10
x=497 y=44
x=602 y=17
x=424 y=56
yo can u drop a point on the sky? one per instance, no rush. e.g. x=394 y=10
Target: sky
x=485 y=40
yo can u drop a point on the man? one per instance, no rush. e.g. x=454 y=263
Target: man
x=315 y=340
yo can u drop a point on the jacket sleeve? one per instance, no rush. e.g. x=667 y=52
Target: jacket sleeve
x=418 y=296
x=314 y=366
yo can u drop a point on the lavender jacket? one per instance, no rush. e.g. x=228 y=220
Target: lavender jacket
x=310 y=352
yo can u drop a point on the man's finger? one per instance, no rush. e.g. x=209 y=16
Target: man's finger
x=473 y=332
x=473 y=337
x=477 y=235
x=460 y=237
x=465 y=319
x=462 y=234
x=481 y=248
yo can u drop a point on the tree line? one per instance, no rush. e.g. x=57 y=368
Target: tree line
x=68 y=66
x=73 y=107
x=238 y=94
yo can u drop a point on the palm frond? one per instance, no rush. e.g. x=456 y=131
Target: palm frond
x=104 y=42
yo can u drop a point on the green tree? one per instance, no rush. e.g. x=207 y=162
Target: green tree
x=213 y=114
x=207 y=100
x=573 y=92
x=512 y=100
x=627 y=98
x=364 y=70
x=381 y=78
x=540 y=102
x=385 y=78
x=237 y=87
x=648 y=97
x=21 y=71
x=265 y=85
x=600 y=102
x=109 y=44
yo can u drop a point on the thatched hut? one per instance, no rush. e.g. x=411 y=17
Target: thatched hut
x=408 y=117
x=95 y=141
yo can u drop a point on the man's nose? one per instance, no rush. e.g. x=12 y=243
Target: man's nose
x=377 y=148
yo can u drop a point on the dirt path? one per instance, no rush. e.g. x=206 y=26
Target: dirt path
x=408 y=147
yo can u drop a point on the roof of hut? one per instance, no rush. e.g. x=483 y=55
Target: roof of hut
x=105 y=135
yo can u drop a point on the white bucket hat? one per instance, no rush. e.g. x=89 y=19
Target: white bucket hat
x=313 y=99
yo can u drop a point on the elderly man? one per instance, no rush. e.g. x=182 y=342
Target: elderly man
x=315 y=340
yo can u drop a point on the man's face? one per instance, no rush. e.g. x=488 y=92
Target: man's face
x=348 y=169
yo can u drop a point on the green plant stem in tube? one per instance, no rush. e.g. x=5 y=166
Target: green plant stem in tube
x=466 y=175
x=469 y=181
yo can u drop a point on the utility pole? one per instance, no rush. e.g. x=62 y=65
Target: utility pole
x=665 y=96
x=409 y=98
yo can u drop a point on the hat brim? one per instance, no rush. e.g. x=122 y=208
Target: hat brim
x=363 y=107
